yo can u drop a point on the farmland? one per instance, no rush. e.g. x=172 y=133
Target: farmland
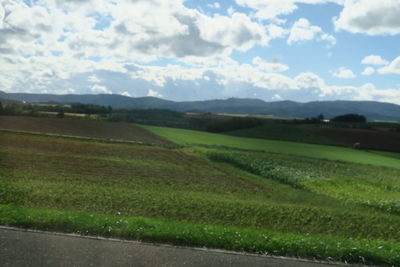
x=234 y=193
x=188 y=137
x=76 y=127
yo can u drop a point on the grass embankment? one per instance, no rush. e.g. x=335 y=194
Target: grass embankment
x=78 y=185
x=203 y=235
x=188 y=137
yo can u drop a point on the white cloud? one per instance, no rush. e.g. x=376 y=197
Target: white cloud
x=370 y=17
x=88 y=46
x=344 y=73
x=154 y=93
x=275 y=31
x=374 y=60
x=100 y=89
x=392 y=68
x=51 y=40
x=309 y=80
x=368 y=71
x=269 y=66
x=125 y=93
x=137 y=30
x=94 y=79
x=302 y=30
x=236 y=31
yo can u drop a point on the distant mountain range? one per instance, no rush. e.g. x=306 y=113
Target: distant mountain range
x=371 y=109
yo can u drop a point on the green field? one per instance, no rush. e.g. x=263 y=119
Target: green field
x=376 y=187
x=292 y=203
x=188 y=137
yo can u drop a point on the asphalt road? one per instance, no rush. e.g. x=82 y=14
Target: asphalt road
x=29 y=248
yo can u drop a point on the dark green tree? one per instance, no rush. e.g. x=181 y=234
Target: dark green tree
x=351 y=117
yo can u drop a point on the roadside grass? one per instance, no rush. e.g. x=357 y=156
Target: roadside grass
x=189 y=137
x=377 y=187
x=321 y=247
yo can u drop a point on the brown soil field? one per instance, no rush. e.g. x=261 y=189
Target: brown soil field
x=369 y=139
x=79 y=127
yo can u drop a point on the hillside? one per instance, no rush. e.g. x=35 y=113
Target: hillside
x=258 y=202
x=372 y=110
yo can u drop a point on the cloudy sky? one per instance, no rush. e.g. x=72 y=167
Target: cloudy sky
x=199 y=49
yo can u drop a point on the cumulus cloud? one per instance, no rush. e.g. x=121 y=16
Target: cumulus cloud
x=344 y=73
x=374 y=60
x=370 y=17
x=154 y=93
x=100 y=46
x=302 y=31
x=94 y=79
x=392 y=68
x=309 y=80
x=100 y=89
x=269 y=66
x=275 y=31
x=169 y=29
x=139 y=30
x=236 y=31
x=49 y=41
x=124 y=93
x=368 y=71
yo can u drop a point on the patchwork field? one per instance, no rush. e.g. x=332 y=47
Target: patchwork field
x=80 y=127
x=263 y=202
x=188 y=137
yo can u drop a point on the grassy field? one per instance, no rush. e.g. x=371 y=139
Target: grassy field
x=263 y=202
x=188 y=137
x=60 y=183
x=80 y=127
x=377 y=187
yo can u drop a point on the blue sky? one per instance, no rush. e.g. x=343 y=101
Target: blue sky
x=306 y=50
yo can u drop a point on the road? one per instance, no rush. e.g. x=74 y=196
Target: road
x=32 y=248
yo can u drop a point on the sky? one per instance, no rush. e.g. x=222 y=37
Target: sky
x=306 y=50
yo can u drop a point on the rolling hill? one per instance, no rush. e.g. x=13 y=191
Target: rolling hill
x=371 y=109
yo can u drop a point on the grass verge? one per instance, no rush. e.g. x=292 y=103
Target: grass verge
x=181 y=233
